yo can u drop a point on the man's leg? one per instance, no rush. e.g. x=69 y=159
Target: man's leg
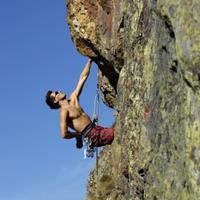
x=101 y=136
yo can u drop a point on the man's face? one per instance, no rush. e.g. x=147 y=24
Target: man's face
x=58 y=95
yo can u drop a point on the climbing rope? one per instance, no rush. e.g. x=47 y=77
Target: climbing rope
x=96 y=106
x=89 y=150
x=96 y=120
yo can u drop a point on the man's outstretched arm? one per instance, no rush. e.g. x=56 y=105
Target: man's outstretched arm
x=83 y=77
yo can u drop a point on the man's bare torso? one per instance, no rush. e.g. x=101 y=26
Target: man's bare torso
x=77 y=119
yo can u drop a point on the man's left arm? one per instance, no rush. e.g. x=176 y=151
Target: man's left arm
x=64 y=115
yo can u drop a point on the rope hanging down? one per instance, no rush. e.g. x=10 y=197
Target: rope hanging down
x=96 y=106
x=90 y=150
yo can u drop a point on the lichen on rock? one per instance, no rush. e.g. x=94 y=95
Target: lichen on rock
x=148 y=53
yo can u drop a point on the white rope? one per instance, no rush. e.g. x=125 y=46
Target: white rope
x=96 y=105
x=89 y=151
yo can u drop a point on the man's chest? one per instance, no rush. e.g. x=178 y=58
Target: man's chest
x=74 y=112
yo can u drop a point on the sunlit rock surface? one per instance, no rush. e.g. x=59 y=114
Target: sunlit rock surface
x=148 y=53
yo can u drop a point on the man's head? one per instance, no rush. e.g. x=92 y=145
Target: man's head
x=53 y=99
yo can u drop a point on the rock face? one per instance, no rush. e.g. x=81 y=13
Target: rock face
x=148 y=53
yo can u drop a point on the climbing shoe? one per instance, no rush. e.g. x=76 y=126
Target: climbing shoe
x=79 y=142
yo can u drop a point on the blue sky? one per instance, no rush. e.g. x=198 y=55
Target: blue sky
x=37 y=54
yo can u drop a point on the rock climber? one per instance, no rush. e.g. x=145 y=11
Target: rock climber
x=73 y=116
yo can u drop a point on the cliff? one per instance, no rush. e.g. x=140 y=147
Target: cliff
x=148 y=53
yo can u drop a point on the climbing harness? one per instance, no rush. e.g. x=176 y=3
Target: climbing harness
x=89 y=150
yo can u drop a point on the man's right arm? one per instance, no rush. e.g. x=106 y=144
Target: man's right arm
x=83 y=77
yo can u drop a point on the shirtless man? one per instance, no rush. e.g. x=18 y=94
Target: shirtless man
x=73 y=116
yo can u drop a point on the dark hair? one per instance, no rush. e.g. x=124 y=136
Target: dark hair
x=50 y=101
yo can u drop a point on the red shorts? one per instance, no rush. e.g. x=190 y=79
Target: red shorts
x=101 y=136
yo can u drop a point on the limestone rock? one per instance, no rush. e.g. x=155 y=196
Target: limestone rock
x=148 y=53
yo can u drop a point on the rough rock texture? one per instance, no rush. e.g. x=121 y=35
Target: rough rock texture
x=96 y=33
x=148 y=54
